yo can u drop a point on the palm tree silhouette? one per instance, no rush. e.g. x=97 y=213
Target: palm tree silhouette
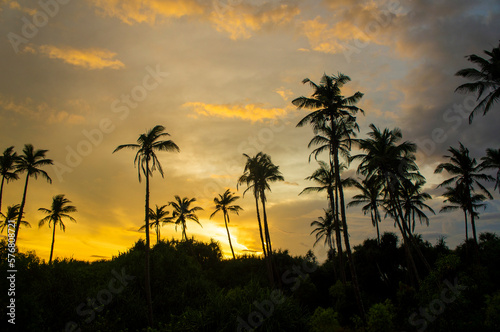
x=492 y=160
x=7 y=168
x=465 y=171
x=371 y=196
x=486 y=80
x=59 y=210
x=412 y=201
x=393 y=164
x=12 y=214
x=223 y=203
x=456 y=198
x=329 y=105
x=157 y=216
x=147 y=162
x=30 y=162
x=183 y=212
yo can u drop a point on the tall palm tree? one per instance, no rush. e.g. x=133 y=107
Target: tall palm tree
x=486 y=80
x=58 y=210
x=492 y=160
x=183 y=212
x=147 y=162
x=456 y=198
x=158 y=218
x=223 y=203
x=325 y=179
x=393 y=163
x=30 y=162
x=329 y=105
x=465 y=171
x=371 y=196
x=12 y=214
x=7 y=168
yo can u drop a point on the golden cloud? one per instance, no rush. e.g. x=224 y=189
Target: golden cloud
x=251 y=112
x=89 y=59
x=240 y=21
x=139 y=11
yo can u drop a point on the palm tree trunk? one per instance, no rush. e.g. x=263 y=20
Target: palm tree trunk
x=1 y=192
x=226 y=220
x=147 y=267
x=357 y=291
x=375 y=220
x=338 y=236
x=157 y=233
x=21 y=209
x=53 y=240
x=264 y=251
x=466 y=226
x=266 y=227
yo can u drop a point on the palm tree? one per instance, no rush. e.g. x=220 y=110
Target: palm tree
x=465 y=171
x=393 y=163
x=30 y=162
x=371 y=196
x=146 y=162
x=325 y=228
x=160 y=215
x=486 y=80
x=59 y=210
x=7 y=168
x=412 y=201
x=492 y=160
x=222 y=203
x=12 y=214
x=325 y=178
x=329 y=105
x=456 y=198
x=184 y=212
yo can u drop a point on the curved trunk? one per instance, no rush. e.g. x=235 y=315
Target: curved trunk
x=226 y=220
x=264 y=251
x=21 y=209
x=1 y=192
x=266 y=226
x=147 y=268
x=53 y=240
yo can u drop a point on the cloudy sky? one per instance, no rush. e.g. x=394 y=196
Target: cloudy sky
x=80 y=78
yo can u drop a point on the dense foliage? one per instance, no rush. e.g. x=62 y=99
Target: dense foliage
x=195 y=289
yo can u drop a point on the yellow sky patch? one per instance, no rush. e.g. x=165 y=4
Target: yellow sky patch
x=89 y=58
x=252 y=112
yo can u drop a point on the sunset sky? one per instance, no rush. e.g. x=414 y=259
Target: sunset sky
x=80 y=78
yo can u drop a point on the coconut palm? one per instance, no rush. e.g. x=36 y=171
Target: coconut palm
x=325 y=229
x=147 y=162
x=12 y=214
x=329 y=105
x=492 y=160
x=223 y=203
x=486 y=80
x=59 y=210
x=371 y=196
x=30 y=162
x=183 y=212
x=456 y=198
x=7 y=168
x=158 y=218
x=412 y=201
x=465 y=171
x=393 y=163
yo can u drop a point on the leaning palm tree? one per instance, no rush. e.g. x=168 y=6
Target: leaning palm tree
x=183 y=212
x=30 y=162
x=465 y=171
x=223 y=203
x=158 y=218
x=456 y=197
x=492 y=160
x=7 y=168
x=12 y=214
x=59 y=210
x=486 y=80
x=371 y=196
x=147 y=162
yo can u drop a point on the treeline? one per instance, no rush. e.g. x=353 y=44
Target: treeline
x=194 y=289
